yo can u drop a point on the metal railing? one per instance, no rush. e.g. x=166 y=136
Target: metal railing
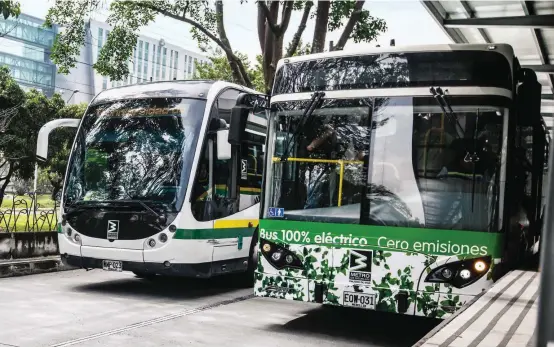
x=27 y=215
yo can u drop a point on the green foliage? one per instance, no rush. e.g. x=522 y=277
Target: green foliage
x=9 y=8
x=220 y=70
x=18 y=143
x=207 y=27
x=70 y=14
x=367 y=27
x=11 y=93
x=302 y=49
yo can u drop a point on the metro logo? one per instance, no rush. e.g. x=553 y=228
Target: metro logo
x=360 y=266
x=113 y=229
x=360 y=260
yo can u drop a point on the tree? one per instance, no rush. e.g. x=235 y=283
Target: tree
x=301 y=48
x=9 y=8
x=219 y=69
x=11 y=97
x=18 y=143
x=206 y=19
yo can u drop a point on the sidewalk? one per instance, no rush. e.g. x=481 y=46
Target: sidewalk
x=506 y=315
x=21 y=267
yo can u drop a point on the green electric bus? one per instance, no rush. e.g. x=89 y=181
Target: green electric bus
x=399 y=179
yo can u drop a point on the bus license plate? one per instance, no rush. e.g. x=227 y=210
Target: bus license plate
x=359 y=300
x=112 y=265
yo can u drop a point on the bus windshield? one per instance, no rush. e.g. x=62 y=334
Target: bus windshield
x=393 y=161
x=138 y=149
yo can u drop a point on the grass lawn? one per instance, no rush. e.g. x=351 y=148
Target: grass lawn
x=19 y=223
x=44 y=201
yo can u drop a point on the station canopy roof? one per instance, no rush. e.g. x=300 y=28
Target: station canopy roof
x=528 y=26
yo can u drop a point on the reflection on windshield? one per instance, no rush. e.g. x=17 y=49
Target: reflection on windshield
x=415 y=167
x=395 y=70
x=133 y=149
x=325 y=161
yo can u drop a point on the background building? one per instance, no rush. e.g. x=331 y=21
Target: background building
x=26 y=45
x=25 y=48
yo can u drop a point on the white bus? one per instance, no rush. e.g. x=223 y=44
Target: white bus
x=400 y=179
x=156 y=182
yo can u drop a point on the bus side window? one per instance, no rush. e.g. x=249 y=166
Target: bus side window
x=202 y=192
x=250 y=182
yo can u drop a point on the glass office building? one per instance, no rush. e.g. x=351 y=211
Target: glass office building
x=25 y=49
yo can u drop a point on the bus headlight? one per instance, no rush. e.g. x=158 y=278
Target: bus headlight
x=279 y=256
x=460 y=273
x=163 y=238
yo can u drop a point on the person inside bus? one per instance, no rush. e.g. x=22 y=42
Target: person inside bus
x=317 y=144
x=330 y=141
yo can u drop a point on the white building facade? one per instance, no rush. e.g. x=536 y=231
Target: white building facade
x=153 y=59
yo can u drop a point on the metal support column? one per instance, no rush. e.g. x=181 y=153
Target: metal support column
x=545 y=322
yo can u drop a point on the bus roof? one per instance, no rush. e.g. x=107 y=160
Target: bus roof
x=197 y=89
x=504 y=49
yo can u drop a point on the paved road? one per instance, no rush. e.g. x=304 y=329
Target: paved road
x=96 y=308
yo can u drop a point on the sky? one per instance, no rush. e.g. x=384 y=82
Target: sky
x=408 y=23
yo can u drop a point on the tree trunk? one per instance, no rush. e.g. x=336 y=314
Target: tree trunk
x=261 y=27
x=269 y=47
x=277 y=54
x=7 y=179
x=238 y=70
x=320 y=30
x=349 y=25
x=298 y=34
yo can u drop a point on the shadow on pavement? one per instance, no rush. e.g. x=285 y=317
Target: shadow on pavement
x=165 y=287
x=360 y=326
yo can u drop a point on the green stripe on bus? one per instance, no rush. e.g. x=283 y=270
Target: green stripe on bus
x=208 y=234
x=396 y=239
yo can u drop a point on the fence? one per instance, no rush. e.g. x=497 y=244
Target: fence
x=27 y=215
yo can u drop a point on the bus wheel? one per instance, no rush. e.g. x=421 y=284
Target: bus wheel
x=145 y=275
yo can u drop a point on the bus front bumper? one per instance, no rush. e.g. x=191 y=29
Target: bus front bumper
x=395 y=300
x=199 y=270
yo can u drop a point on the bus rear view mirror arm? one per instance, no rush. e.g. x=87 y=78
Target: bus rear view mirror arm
x=46 y=129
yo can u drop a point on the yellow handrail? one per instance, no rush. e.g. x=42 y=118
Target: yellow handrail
x=325 y=161
x=320 y=161
x=339 y=203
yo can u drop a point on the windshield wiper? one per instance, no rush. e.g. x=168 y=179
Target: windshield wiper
x=314 y=103
x=439 y=95
x=160 y=217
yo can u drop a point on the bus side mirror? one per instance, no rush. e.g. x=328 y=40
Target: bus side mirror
x=46 y=129
x=239 y=116
x=223 y=145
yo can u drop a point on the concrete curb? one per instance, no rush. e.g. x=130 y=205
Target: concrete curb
x=447 y=320
x=22 y=267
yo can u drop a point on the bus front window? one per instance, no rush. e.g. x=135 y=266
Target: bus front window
x=322 y=168
x=416 y=166
x=135 y=150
